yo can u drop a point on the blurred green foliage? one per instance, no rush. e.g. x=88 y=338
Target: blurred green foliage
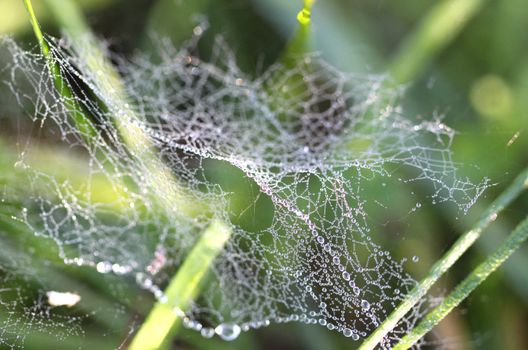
x=465 y=59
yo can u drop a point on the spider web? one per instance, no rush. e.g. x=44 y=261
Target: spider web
x=297 y=160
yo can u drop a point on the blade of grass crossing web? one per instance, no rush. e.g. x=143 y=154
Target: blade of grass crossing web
x=82 y=122
x=444 y=264
x=470 y=283
x=182 y=289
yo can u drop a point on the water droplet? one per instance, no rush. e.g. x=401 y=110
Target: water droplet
x=143 y=280
x=158 y=293
x=187 y=323
x=103 y=267
x=365 y=304
x=117 y=269
x=228 y=331
x=346 y=276
x=347 y=332
x=197 y=30
x=20 y=165
x=355 y=336
x=163 y=298
x=415 y=258
x=179 y=312
x=207 y=332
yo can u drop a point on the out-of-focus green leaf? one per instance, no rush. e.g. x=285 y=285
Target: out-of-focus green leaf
x=13 y=18
x=253 y=40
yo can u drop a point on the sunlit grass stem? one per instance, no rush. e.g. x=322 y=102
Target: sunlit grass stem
x=183 y=288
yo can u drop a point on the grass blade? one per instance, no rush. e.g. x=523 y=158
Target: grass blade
x=82 y=122
x=512 y=243
x=445 y=263
x=182 y=289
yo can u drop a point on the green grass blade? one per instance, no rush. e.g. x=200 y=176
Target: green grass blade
x=182 y=289
x=82 y=122
x=436 y=30
x=36 y=28
x=512 y=243
x=441 y=266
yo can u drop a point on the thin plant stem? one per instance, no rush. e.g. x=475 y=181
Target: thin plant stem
x=441 y=266
x=512 y=243
x=301 y=41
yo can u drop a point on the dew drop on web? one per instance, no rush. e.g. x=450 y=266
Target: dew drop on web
x=365 y=305
x=207 y=332
x=228 y=331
